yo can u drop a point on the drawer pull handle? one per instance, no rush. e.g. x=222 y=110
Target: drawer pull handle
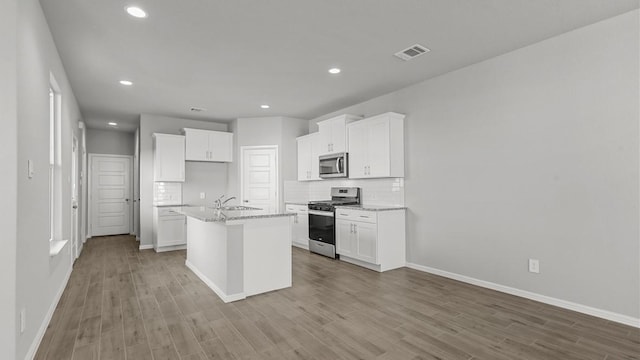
x=364 y=216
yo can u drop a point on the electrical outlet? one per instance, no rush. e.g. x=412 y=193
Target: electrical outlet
x=203 y=195
x=23 y=320
x=534 y=266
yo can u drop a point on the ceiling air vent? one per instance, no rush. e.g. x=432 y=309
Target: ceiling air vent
x=412 y=52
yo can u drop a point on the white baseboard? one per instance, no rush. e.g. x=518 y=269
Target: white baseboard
x=604 y=314
x=221 y=294
x=171 y=248
x=301 y=246
x=45 y=323
x=360 y=263
x=145 y=247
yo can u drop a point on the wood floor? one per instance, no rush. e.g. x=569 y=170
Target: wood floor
x=122 y=303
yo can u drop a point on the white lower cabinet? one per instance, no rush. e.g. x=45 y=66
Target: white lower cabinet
x=169 y=230
x=373 y=239
x=300 y=228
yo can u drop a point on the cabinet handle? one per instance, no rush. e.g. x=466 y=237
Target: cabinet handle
x=355 y=228
x=364 y=216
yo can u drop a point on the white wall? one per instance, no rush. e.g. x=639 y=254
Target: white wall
x=261 y=131
x=208 y=177
x=110 y=142
x=532 y=154
x=8 y=158
x=39 y=278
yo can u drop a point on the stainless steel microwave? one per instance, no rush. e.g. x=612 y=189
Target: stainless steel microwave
x=334 y=165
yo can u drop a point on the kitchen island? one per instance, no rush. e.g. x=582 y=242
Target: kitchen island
x=238 y=252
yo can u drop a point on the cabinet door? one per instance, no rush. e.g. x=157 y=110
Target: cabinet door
x=197 y=147
x=220 y=146
x=366 y=236
x=171 y=231
x=325 y=129
x=314 y=161
x=169 y=158
x=303 y=228
x=338 y=135
x=378 y=148
x=344 y=238
x=358 y=149
x=304 y=159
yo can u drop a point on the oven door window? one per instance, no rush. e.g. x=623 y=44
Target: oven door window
x=321 y=228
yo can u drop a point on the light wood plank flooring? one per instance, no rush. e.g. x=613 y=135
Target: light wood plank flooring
x=122 y=303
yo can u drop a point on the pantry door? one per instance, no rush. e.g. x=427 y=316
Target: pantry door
x=110 y=196
x=259 y=177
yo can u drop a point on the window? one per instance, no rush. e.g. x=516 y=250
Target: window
x=55 y=183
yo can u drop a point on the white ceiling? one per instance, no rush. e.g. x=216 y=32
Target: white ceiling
x=231 y=56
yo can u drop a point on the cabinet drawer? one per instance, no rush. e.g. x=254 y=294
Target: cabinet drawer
x=357 y=215
x=296 y=208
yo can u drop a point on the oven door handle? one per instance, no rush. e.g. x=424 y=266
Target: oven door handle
x=321 y=213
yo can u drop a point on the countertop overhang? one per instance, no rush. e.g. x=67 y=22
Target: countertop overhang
x=209 y=214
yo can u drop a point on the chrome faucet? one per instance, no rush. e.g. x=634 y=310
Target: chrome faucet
x=219 y=202
x=229 y=199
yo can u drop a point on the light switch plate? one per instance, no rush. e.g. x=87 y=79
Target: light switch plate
x=534 y=266
x=30 y=170
x=23 y=320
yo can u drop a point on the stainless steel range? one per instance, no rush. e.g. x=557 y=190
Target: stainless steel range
x=322 y=233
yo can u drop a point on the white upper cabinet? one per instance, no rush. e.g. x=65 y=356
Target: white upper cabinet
x=168 y=157
x=308 y=148
x=208 y=145
x=376 y=146
x=333 y=134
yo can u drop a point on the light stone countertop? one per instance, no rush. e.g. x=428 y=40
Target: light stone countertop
x=372 y=207
x=297 y=203
x=209 y=214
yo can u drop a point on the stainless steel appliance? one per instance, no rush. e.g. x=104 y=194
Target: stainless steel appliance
x=334 y=165
x=322 y=233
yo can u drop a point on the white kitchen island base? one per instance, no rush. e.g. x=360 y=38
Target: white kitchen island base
x=240 y=258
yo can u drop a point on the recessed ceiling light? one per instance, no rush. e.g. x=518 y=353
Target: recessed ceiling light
x=111 y=123
x=265 y=106
x=126 y=82
x=136 y=12
x=334 y=71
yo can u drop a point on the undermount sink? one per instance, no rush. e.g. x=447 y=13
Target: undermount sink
x=239 y=207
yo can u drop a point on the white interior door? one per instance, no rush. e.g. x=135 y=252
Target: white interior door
x=260 y=177
x=110 y=195
x=75 y=244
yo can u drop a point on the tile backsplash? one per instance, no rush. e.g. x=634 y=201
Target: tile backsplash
x=387 y=191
